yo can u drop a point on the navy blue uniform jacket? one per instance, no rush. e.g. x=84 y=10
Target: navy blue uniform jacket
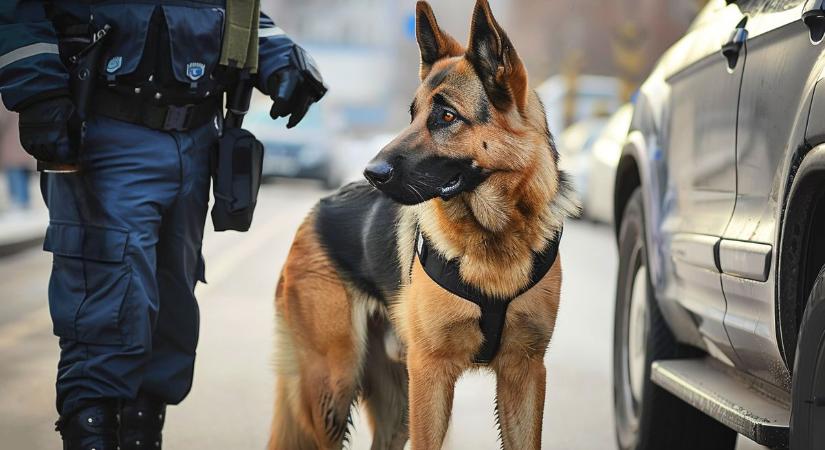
x=31 y=66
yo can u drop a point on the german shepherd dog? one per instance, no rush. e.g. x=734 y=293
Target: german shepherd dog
x=357 y=316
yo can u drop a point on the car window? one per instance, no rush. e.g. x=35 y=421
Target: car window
x=751 y=6
x=767 y=6
x=781 y=5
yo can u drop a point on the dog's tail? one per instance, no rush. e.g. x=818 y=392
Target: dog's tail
x=286 y=432
x=318 y=352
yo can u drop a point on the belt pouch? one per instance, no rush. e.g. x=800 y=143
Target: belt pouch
x=236 y=177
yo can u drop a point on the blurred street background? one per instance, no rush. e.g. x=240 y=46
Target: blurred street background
x=585 y=58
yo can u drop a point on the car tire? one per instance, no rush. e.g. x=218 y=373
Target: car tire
x=808 y=390
x=646 y=416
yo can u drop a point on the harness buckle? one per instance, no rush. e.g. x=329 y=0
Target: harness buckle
x=177 y=118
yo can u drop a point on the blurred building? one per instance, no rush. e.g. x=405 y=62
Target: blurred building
x=353 y=42
x=367 y=49
x=622 y=38
x=368 y=53
x=339 y=22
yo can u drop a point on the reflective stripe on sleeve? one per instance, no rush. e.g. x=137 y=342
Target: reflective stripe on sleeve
x=269 y=32
x=27 y=51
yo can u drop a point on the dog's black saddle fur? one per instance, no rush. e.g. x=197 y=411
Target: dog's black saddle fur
x=358 y=228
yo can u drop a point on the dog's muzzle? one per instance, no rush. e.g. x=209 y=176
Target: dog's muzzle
x=412 y=181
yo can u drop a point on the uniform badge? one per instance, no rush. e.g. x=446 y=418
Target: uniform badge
x=195 y=70
x=114 y=64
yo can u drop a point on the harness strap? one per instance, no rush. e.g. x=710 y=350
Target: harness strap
x=493 y=309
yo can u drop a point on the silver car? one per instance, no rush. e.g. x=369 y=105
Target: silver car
x=719 y=210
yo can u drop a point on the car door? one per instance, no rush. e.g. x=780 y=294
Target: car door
x=773 y=109
x=701 y=160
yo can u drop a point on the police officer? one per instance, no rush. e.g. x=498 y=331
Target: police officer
x=127 y=221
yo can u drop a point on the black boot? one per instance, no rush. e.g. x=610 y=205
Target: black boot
x=93 y=427
x=141 y=423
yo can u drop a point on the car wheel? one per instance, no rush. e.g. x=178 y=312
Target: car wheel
x=647 y=416
x=808 y=392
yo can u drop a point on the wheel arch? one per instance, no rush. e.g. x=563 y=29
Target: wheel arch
x=802 y=244
x=628 y=178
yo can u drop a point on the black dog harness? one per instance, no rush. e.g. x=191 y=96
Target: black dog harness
x=493 y=309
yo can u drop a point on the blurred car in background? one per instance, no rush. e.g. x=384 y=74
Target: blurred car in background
x=574 y=145
x=353 y=153
x=604 y=157
x=305 y=151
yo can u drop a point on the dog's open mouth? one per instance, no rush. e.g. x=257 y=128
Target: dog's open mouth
x=452 y=187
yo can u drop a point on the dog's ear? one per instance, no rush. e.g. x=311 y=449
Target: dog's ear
x=495 y=60
x=433 y=42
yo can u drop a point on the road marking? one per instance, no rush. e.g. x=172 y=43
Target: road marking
x=233 y=259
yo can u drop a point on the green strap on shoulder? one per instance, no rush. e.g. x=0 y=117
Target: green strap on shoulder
x=240 y=42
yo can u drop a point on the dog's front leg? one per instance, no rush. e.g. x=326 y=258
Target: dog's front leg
x=432 y=385
x=520 y=386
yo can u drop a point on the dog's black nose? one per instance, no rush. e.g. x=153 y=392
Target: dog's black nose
x=378 y=172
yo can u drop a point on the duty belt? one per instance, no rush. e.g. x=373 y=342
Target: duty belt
x=493 y=309
x=145 y=112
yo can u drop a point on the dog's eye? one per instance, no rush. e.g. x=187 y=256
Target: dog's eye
x=442 y=117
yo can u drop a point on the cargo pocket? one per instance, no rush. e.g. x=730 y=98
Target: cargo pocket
x=130 y=26
x=195 y=37
x=89 y=282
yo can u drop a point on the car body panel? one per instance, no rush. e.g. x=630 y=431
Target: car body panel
x=780 y=59
x=699 y=145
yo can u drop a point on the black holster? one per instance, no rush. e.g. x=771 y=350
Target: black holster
x=236 y=179
x=237 y=164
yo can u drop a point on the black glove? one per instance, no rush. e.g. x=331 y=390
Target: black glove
x=295 y=87
x=50 y=130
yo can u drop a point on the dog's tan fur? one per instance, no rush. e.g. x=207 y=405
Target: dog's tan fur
x=493 y=231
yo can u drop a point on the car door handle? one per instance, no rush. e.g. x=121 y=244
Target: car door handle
x=732 y=48
x=814 y=18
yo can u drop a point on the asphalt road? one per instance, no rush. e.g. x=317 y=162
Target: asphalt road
x=231 y=401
